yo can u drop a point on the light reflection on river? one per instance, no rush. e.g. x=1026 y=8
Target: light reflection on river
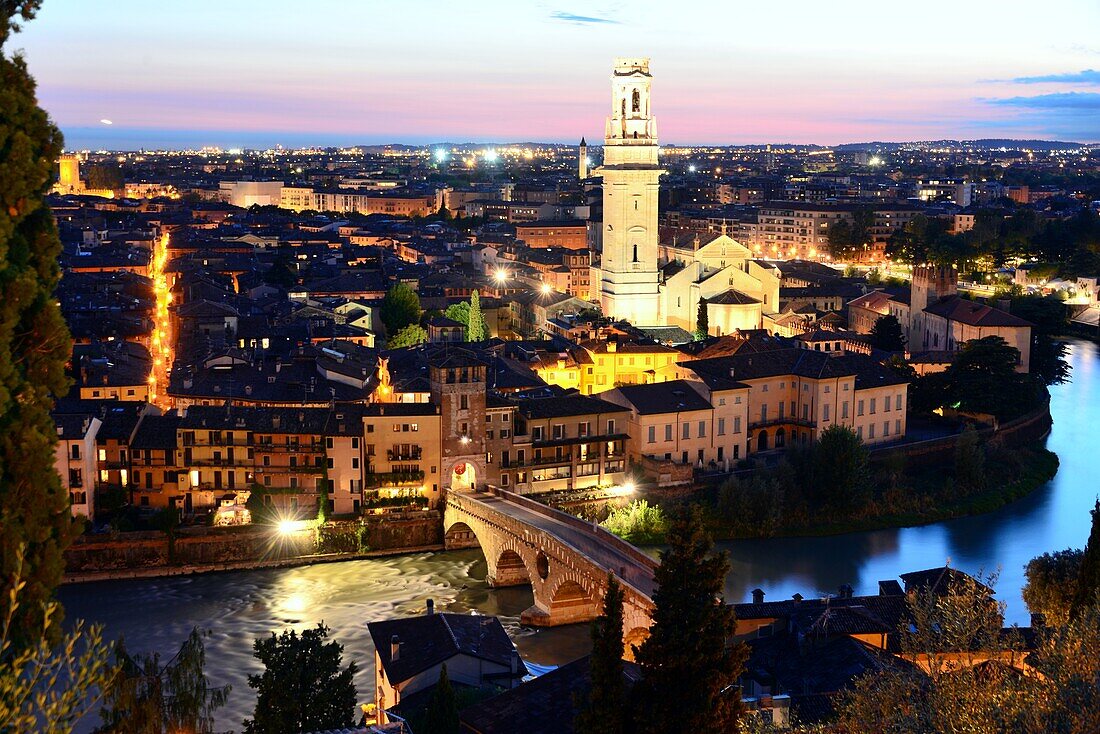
x=237 y=607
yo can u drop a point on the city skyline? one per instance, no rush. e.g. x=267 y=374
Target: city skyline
x=344 y=75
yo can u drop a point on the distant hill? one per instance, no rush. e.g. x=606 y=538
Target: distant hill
x=980 y=143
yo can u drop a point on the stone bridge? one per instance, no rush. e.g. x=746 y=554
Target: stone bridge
x=564 y=559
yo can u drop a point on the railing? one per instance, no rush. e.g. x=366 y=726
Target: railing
x=382 y=479
x=411 y=455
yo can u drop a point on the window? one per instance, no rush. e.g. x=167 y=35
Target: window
x=103 y=456
x=721 y=426
x=463 y=402
x=584 y=428
x=825 y=412
x=897 y=426
x=370 y=428
x=611 y=426
x=885 y=428
x=873 y=401
x=871 y=431
x=559 y=430
x=536 y=433
x=355 y=462
x=76 y=451
x=859 y=408
x=505 y=433
x=685 y=431
x=844 y=409
x=828 y=389
x=764 y=413
x=737 y=424
x=897 y=401
x=653 y=434
x=702 y=429
x=668 y=431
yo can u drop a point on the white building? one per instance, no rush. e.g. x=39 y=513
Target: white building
x=628 y=270
x=75 y=460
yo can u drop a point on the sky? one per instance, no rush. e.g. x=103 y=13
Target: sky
x=241 y=73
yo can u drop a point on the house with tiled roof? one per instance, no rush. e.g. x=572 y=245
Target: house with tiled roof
x=410 y=652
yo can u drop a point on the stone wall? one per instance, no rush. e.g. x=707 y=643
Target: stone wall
x=251 y=543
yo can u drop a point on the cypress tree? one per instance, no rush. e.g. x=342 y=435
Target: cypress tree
x=476 y=327
x=702 y=321
x=442 y=715
x=34 y=343
x=689 y=667
x=605 y=707
x=1088 y=580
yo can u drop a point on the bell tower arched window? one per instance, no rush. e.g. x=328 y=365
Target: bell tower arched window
x=636 y=102
x=635 y=253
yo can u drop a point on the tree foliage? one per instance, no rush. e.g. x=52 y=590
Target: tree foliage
x=638 y=522
x=982 y=378
x=886 y=334
x=146 y=697
x=971 y=676
x=847 y=238
x=35 y=523
x=303 y=687
x=442 y=714
x=1088 y=578
x=1050 y=317
x=1052 y=584
x=400 y=308
x=103 y=176
x=702 y=321
x=476 y=329
x=410 y=336
x=45 y=687
x=689 y=666
x=461 y=311
x=604 y=710
x=839 y=469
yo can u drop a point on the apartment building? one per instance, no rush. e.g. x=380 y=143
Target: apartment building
x=565 y=442
x=75 y=460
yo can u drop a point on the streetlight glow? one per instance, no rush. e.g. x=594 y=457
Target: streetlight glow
x=545 y=288
x=440 y=155
x=500 y=275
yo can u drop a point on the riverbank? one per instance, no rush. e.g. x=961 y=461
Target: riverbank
x=197 y=550
x=1039 y=466
x=155 y=572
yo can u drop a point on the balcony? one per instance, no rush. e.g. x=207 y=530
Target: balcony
x=392 y=479
x=412 y=454
x=282 y=448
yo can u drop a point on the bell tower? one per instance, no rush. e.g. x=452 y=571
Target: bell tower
x=582 y=160
x=631 y=174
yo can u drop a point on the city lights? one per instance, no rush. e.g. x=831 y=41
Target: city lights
x=163 y=354
x=545 y=289
x=440 y=155
x=500 y=276
x=490 y=155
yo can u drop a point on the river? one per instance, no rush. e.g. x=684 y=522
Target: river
x=157 y=614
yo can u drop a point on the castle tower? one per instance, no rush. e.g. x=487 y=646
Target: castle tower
x=930 y=284
x=582 y=160
x=68 y=179
x=457 y=383
x=631 y=174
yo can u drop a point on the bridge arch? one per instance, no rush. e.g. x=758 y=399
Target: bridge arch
x=511 y=570
x=571 y=600
x=633 y=639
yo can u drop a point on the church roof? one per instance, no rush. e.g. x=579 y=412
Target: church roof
x=732 y=297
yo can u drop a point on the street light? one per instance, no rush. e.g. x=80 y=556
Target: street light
x=500 y=276
x=545 y=288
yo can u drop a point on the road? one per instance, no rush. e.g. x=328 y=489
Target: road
x=588 y=544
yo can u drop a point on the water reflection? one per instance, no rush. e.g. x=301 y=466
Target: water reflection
x=238 y=607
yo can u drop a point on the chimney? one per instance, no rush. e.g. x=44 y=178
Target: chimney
x=845 y=591
x=757 y=596
x=429 y=607
x=395 y=648
x=797 y=598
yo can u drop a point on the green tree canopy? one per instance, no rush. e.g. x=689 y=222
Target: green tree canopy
x=886 y=334
x=303 y=686
x=410 y=336
x=147 y=697
x=1052 y=584
x=35 y=522
x=841 y=477
x=689 y=666
x=982 y=378
x=604 y=710
x=1050 y=317
x=847 y=238
x=400 y=308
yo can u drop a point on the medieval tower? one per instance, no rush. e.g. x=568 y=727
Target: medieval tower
x=582 y=160
x=628 y=270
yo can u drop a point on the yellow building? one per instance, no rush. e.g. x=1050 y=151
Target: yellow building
x=616 y=362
